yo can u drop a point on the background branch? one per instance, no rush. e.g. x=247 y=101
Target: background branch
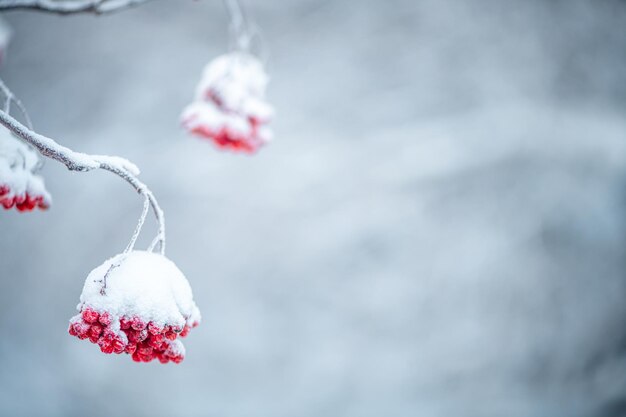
x=70 y=6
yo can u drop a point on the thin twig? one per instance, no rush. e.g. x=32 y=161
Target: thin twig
x=10 y=98
x=239 y=25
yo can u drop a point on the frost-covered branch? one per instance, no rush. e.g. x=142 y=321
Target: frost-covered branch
x=70 y=6
x=76 y=161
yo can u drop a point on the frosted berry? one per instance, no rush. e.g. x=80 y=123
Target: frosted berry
x=94 y=333
x=154 y=328
x=118 y=345
x=106 y=345
x=105 y=319
x=156 y=340
x=90 y=316
x=136 y=336
x=79 y=329
x=137 y=324
x=125 y=323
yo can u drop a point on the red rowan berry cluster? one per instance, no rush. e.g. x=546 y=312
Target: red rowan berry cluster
x=137 y=303
x=19 y=186
x=22 y=201
x=229 y=107
x=143 y=340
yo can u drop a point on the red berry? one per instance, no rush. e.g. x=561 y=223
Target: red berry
x=90 y=316
x=137 y=324
x=109 y=334
x=105 y=319
x=156 y=340
x=95 y=330
x=105 y=345
x=145 y=350
x=131 y=348
x=133 y=336
x=154 y=328
x=94 y=333
x=8 y=203
x=81 y=329
x=118 y=345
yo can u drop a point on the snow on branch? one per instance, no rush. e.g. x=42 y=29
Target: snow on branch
x=70 y=6
x=77 y=161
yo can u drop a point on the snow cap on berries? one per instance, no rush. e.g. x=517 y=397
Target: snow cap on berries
x=137 y=303
x=19 y=186
x=235 y=76
x=141 y=284
x=230 y=107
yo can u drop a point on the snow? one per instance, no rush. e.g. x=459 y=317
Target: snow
x=118 y=162
x=239 y=76
x=18 y=164
x=238 y=80
x=142 y=284
x=202 y=113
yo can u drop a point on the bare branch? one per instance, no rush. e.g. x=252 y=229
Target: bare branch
x=76 y=161
x=70 y=6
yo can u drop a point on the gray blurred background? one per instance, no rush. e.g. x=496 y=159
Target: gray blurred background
x=437 y=229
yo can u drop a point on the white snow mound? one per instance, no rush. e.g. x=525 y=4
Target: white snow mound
x=141 y=284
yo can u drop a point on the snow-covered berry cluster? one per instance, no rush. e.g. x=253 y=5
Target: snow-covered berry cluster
x=19 y=186
x=137 y=303
x=229 y=106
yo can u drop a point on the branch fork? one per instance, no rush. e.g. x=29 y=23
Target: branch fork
x=81 y=162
